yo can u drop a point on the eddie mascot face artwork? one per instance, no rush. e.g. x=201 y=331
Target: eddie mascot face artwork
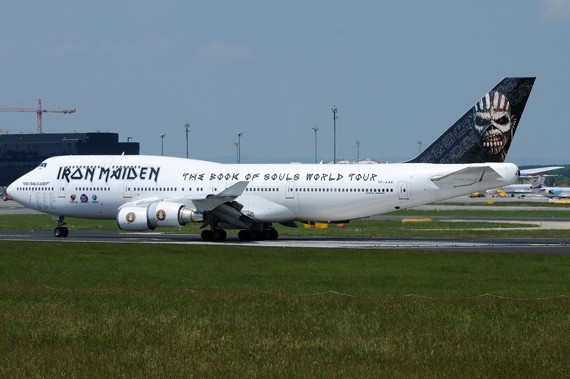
x=494 y=124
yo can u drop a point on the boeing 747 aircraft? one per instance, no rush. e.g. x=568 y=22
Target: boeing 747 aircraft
x=146 y=192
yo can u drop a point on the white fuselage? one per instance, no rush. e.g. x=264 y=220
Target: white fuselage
x=97 y=186
x=553 y=192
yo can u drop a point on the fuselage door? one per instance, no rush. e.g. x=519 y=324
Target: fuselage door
x=403 y=191
x=61 y=188
x=290 y=190
x=128 y=189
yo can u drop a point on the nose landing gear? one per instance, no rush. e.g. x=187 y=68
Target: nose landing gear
x=60 y=230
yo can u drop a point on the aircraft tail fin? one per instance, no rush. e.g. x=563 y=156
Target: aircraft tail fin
x=485 y=132
x=537 y=181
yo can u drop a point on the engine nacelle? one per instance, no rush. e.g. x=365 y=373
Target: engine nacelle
x=159 y=213
x=163 y=213
x=133 y=219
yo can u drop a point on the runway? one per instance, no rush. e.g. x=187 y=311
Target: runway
x=533 y=246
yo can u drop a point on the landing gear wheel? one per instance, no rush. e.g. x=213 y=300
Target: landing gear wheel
x=207 y=235
x=255 y=235
x=219 y=235
x=244 y=235
x=60 y=232
x=271 y=234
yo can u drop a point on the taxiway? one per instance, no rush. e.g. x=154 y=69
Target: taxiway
x=535 y=246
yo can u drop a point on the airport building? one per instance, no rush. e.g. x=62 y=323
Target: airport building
x=20 y=153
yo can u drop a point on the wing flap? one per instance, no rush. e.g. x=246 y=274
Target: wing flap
x=213 y=201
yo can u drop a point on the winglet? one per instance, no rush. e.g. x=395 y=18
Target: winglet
x=485 y=132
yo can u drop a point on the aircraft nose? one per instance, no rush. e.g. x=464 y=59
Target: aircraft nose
x=11 y=190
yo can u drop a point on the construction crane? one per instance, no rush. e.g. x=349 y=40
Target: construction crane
x=39 y=111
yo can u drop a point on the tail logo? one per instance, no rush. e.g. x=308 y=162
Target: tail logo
x=485 y=132
x=494 y=124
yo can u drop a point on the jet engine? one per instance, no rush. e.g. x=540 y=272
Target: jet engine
x=159 y=213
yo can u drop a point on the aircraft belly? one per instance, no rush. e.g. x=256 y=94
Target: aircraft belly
x=265 y=210
x=334 y=209
x=70 y=208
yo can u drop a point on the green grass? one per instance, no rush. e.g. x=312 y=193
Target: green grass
x=89 y=310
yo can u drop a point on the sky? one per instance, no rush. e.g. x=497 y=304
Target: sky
x=399 y=73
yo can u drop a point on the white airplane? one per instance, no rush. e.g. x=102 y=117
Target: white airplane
x=145 y=192
x=537 y=182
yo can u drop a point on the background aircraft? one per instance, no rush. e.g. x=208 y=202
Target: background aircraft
x=524 y=188
x=537 y=183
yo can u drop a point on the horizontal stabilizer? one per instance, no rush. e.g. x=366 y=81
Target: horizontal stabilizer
x=540 y=170
x=468 y=176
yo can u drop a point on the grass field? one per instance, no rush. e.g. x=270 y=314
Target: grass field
x=85 y=310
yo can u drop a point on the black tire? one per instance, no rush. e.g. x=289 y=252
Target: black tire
x=244 y=235
x=219 y=235
x=58 y=232
x=255 y=235
x=207 y=235
x=272 y=234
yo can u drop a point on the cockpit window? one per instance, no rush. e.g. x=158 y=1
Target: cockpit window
x=43 y=164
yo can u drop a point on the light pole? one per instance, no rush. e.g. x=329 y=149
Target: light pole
x=420 y=146
x=187 y=127
x=237 y=151
x=316 y=129
x=357 y=151
x=334 y=111
x=162 y=135
x=239 y=146
x=129 y=139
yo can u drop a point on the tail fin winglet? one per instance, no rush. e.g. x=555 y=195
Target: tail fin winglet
x=485 y=132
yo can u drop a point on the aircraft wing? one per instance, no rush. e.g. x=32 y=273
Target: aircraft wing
x=467 y=176
x=201 y=204
x=221 y=205
x=212 y=201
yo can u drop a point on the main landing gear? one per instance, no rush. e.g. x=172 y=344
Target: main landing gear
x=60 y=230
x=257 y=235
x=220 y=235
x=216 y=235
